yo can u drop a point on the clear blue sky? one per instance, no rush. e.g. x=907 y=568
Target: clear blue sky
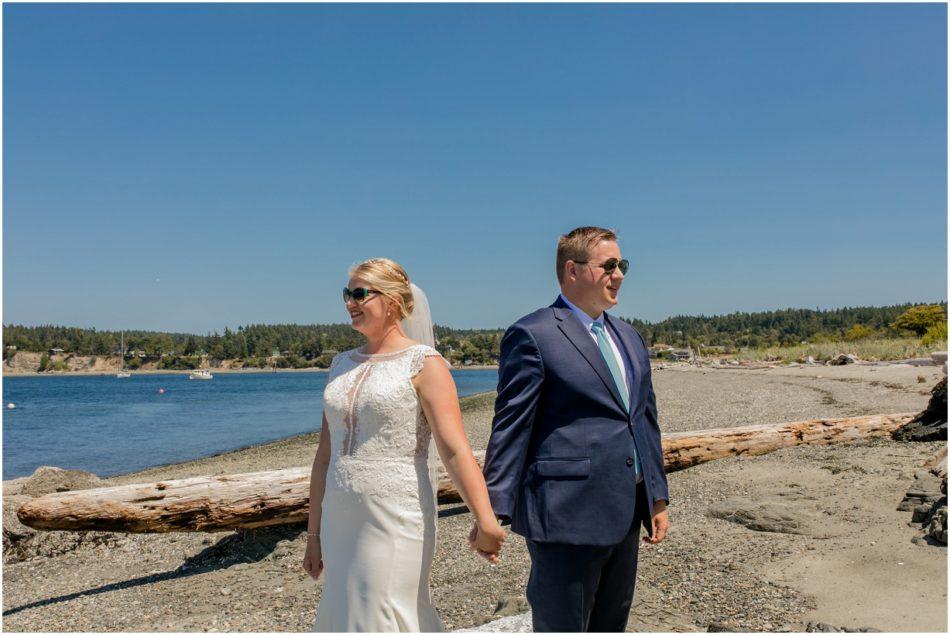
x=187 y=167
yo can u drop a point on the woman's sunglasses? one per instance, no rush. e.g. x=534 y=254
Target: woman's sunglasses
x=609 y=265
x=358 y=295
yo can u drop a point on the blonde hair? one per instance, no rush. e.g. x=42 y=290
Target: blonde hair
x=577 y=245
x=390 y=279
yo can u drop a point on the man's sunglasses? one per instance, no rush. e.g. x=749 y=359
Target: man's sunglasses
x=609 y=265
x=358 y=295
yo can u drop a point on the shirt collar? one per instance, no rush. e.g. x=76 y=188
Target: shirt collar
x=585 y=319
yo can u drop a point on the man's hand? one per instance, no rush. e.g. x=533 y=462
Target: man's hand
x=660 y=521
x=487 y=543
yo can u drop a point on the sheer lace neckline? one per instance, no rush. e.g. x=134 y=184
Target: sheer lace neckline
x=357 y=353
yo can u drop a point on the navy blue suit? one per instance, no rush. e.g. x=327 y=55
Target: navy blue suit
x=560 y=463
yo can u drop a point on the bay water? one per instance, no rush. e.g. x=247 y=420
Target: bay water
x=111 y=426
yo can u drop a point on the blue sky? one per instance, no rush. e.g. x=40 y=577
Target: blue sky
x=187 y=167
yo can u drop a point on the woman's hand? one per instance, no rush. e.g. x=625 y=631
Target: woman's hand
x=487 y=541
x=313 y=557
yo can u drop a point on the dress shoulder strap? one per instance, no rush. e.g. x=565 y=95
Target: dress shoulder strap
x=418 y=358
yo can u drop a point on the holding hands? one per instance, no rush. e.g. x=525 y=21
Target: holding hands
x=487 y=540
x=313 y=557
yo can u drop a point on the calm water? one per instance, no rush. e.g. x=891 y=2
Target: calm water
x=110 y=426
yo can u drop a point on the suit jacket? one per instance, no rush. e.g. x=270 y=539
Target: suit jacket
x=559 y=461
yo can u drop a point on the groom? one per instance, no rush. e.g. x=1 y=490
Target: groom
x=574 y=458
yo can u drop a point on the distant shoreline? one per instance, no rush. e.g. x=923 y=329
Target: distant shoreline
x=214 y=371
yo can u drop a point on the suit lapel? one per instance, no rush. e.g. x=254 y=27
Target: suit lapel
x=585 y=345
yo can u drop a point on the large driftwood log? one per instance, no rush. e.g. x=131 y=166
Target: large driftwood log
x=259 y=499
x=201 y=503
x=686 y=449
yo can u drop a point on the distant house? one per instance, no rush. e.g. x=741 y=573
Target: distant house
x=657 y=349
x=56 y=351
x=681 y=354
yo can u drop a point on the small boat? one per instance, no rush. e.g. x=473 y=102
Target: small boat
x=201 y=374
x=122 y=373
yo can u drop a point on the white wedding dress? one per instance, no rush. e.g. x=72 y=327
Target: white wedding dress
x=378 y=527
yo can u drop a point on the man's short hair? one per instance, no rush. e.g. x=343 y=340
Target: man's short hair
x=578 y=244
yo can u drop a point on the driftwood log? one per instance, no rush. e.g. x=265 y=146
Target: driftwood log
x=937 y=464
x=276 y=497
x=686 y=449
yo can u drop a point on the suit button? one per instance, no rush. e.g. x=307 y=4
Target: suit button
x=630 y=461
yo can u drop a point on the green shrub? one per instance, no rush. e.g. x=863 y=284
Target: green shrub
x=858 y=332
x=920 y=319
x=323 y=361
x=936 y=335
x=180 y=362
x=134 y=363
x=44 y=362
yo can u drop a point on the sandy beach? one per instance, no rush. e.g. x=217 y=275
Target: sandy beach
x=848 y=561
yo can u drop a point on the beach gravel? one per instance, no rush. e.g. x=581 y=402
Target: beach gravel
x=852 y=565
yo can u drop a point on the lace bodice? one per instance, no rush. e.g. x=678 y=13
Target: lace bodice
x=379 y=438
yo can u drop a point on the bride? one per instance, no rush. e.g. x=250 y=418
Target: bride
x=372 y=523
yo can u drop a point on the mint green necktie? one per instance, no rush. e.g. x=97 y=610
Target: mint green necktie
x=607 y=352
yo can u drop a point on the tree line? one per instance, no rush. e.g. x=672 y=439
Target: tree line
x=787 y=327
x=298 y=345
